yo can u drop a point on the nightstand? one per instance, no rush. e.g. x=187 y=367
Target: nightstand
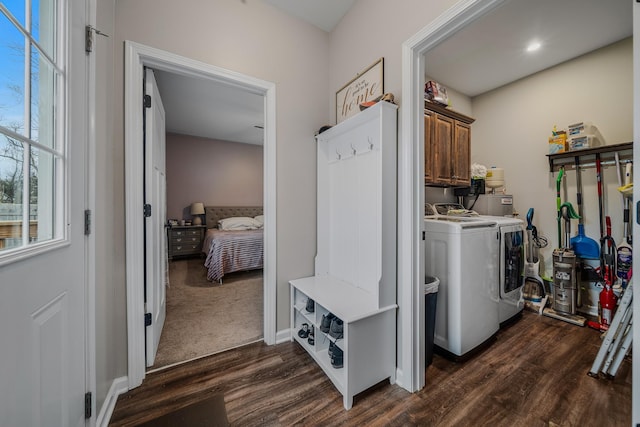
x=185 y=240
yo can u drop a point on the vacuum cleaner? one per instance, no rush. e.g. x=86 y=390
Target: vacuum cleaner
x=534 y=294
x=565 y=283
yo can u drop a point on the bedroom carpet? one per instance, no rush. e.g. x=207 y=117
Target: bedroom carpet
x=205 y=317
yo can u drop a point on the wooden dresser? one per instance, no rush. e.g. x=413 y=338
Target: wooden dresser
x=185 y=240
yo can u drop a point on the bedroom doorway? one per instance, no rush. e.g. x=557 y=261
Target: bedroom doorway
x=214 y=157
x=137 y=57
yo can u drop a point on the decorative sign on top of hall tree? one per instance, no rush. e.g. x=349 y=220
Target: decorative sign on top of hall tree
x=366 y=86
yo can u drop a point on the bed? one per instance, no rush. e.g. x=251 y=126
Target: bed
x=228 y=251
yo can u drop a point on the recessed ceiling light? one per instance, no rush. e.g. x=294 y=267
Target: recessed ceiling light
x=533 y=46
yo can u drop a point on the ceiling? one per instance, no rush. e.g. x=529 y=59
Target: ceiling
x=200 y=107
x=491 y=52
x=487 y=54
x=324 y=14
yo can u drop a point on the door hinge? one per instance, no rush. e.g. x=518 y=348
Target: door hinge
x=87 y=222
x=147 y=101
x=147 y=210
x=88 y=37
x=87 y=405
x=424 y=235
x=147 y=319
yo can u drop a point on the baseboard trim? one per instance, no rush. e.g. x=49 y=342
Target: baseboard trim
x=283 y=336
x=118 y=387
x=401 y=381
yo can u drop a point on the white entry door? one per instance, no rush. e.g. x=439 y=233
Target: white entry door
x=155 y=199
x=43 y=294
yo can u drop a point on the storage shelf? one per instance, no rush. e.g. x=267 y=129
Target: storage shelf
x=587 y=156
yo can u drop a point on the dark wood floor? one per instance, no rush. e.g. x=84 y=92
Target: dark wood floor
x=535 y=374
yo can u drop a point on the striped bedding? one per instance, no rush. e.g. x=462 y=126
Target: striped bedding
x=229 y=251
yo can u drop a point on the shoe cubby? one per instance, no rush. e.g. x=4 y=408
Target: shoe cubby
x=355 y=264
x=368 y=338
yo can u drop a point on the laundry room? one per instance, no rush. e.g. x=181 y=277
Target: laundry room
x=534 y=147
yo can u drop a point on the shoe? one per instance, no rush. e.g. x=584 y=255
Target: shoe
x=332 y=345
x=337 y=357
x=325 y=324
x=304 y=331
x=311 y=340
x=336 y=328
x=310 y=305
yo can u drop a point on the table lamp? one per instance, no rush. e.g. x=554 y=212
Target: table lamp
x=197 y=209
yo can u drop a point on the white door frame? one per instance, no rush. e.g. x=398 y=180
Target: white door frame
x=635 y=395
x=136 y=57
x=411 y=370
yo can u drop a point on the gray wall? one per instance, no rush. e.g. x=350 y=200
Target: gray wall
x=217 y=173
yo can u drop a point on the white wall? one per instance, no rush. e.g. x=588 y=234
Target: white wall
x=513 y=124
x=111 y=356
x=252 y=38
x=374 y=29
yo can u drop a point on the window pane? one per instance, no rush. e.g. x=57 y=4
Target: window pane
x=11 y=76
x=43 y=78
x=11 y=179
x=43 y=25
x=17 y=8
x=41 y=195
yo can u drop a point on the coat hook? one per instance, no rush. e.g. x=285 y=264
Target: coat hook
x=353 y=149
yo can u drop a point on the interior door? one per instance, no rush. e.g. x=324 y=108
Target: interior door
x=43 y=307
x=155 y=197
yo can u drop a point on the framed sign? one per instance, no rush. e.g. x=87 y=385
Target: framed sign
x=366 y=86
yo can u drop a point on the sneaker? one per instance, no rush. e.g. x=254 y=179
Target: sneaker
x=332 y=345
x=311 y=339
x=337 y=358
x=325 y=324
x=310 y=305
x=335 y=330
x=304 y=331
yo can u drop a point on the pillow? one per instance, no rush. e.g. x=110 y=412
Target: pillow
x=260 y=219
x=238 y=223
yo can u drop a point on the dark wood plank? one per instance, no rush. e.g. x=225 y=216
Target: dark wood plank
x=535 y=374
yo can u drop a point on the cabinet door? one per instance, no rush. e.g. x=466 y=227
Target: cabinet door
x=461 y=155
x=429 y=119
x=442 y=149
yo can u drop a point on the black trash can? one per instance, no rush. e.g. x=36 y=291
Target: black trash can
x=431 y=285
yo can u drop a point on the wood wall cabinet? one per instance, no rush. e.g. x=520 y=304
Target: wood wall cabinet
x=447 y=146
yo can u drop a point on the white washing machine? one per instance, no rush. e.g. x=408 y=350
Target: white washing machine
x=511 y=256
x=463 y=254
x=511 y=265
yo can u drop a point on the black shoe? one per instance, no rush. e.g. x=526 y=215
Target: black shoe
x=325 y=324
x=310 y=305
x=337 y=357
x=304 y=331
x=336 y=328
x=331 y=347
x=311 y=340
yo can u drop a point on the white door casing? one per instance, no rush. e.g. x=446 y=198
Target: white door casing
x=155 y=197
x=411 y=253
x=43 y=296
x=138 y=56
